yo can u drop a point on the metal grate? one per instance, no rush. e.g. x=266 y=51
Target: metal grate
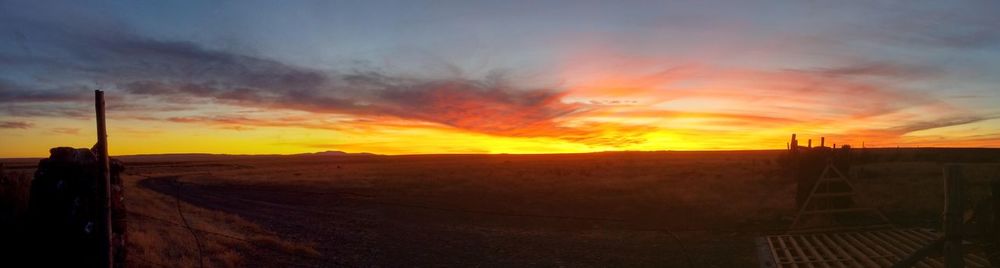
x=880 y=248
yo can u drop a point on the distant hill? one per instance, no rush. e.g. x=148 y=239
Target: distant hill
x=333 y=153
x=206 y=157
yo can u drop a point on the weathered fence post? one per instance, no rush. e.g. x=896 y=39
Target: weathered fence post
x=794 y=144
x=104 y=185
x=953 y=216
x=994 y=253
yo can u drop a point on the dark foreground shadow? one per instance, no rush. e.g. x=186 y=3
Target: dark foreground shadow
x=358 y=229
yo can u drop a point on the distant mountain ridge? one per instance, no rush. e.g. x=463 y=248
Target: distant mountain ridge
x=209 y=156
x=335 y=153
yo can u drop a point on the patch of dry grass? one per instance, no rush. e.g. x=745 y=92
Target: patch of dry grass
x=157 y=234
x=14 y=191
x=291 y=248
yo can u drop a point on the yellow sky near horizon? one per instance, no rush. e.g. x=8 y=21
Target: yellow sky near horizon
x=608 y=129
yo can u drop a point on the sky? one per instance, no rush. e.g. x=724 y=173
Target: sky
x=420 y=77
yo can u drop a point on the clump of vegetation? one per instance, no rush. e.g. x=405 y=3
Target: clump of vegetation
x=14 y=189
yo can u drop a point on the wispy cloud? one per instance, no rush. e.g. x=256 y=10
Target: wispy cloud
x=16 y=124
x=242 y=123
x=878 y=70
x=179 y=72
x=967 y=25
x=15 y=93
x=67 y=131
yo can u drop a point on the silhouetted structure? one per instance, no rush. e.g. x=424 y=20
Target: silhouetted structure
x=845 y=240
x=825 y=195
x=76 y=211
x=806 y=164
x=64 y=210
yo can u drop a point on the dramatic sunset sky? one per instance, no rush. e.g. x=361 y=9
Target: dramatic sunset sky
x=497 y=76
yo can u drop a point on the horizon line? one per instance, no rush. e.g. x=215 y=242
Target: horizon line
x=320 y=153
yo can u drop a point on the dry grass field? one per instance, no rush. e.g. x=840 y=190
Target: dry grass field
x=632 y=209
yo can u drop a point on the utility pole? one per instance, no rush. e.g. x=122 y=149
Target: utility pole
x=104 y=184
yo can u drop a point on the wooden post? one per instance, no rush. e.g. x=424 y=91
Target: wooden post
x=822 y=141
x=810 y=143
x=993 y=253
x=795 y=144
x=104 y=185
x=953 y=217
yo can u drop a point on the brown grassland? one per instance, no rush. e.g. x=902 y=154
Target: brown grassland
x=632 y=209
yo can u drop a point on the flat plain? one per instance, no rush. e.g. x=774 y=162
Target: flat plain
x=622 y=209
